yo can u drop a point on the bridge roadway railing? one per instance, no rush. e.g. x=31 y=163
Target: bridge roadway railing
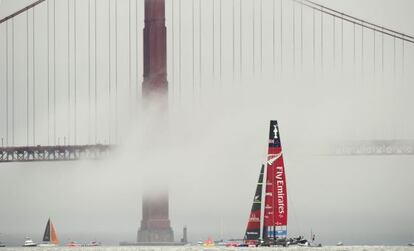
x=372 y=147
x=53 y=153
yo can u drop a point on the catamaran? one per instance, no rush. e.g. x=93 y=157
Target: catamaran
x=271 y=229
x=50 y=238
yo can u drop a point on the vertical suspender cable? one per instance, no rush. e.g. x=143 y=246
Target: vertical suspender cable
x=221 y=40
x=116 y=71
x=180 y=51
x=109 y=72
x=89 y=71
x=382 y=52
x=403 y=56
x=261 y=36
x=27 y=78
x=192 y=44
x=253 y=37
x=322 y=39
x=213 y=31
x=334 y=41
x=54 y=72
x=293 y=32
x=96 y=72
x=354 y=48
x=129 y=58
x=274 y=36
x=7 y=83
x=173 y=47
x=375 y=47
x=34 y=80
x=13 y=82
x=69 y=108
x=75 y=70
x=241 y=37
x=395 y=52
x=136 y=53
x=314 y=39
x=342 y=43
x=233 y=34
x=301 y=36
x=281 y=35
x=48 y=74
x=200 y=44
x=362 y=48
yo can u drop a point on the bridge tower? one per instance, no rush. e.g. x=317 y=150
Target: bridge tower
x=155 y=224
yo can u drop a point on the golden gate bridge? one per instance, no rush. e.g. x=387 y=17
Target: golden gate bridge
x=71 y=70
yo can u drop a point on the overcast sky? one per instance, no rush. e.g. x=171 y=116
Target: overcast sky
x=210 y=150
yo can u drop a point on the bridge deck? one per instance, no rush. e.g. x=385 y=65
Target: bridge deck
x=52 y=153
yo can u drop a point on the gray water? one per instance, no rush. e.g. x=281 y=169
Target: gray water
x=198 y=248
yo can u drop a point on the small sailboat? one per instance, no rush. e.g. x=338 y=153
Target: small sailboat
x=209 y=243
x=50 y=238
x=29 y=243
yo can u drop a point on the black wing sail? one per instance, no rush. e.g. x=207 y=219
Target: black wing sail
x=253 y=225
x=46 y=236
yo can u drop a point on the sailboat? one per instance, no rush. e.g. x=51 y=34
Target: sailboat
x=275 y=215
x=50 y=238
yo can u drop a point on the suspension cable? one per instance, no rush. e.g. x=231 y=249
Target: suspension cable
x=180 y=51
x=13 y=83
x=54 y=72
x=193 y=45
x=109 y=71
x=241 y=38
x=253 y=37
x=220 y=40
x=75 y=70
x=116 y=71
x=89 y=72
x=293 y=32
x=69 y=72
x=27 y=78
x=281 y=35
x=96 y=73
x=34 y=80
x=7 y=83
x=48 y=74
x=200 y=44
